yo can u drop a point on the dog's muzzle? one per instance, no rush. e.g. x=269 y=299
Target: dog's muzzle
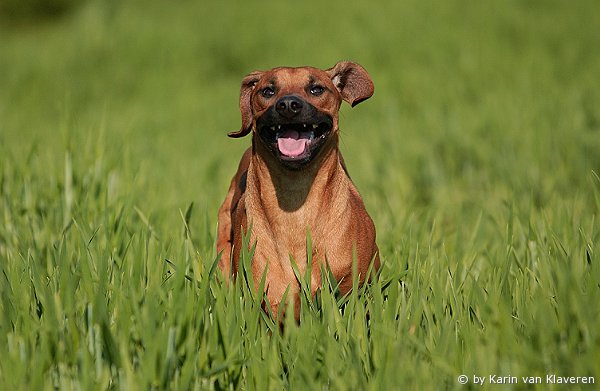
x=294 y=130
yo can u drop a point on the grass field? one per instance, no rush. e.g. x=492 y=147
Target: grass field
x=478 y=158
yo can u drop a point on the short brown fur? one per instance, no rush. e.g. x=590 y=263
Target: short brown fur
x=282 y=205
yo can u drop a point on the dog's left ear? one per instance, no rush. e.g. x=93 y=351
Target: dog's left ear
x=248 y=84
x=352 y=81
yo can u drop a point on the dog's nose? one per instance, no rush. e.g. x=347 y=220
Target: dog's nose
x=289 y=106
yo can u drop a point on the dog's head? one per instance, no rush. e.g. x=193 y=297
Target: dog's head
x=294 y=111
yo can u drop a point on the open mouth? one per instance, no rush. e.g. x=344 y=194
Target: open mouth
x=295 y=143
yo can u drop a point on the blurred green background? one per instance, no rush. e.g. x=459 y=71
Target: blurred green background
x=465 y=91
x=478 y=158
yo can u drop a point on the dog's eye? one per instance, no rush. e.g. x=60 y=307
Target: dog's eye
x=317 y=90
x=267 y=92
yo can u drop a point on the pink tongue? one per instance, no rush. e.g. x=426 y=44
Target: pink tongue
x=292 y=143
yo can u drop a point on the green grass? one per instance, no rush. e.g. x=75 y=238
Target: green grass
x=478 y=158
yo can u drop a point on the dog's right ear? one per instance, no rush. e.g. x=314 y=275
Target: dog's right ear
x=248 y=84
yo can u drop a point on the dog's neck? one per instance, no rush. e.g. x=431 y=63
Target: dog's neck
x=280 y=189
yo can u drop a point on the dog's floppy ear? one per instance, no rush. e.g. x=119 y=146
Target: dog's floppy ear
x=248 y=84
x=352 y=81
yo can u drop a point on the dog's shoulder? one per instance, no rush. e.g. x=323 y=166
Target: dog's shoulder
x=240 y=179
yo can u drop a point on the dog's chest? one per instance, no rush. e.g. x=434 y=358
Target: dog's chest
x=303 y=234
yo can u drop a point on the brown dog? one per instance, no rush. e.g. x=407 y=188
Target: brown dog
x=293 y=181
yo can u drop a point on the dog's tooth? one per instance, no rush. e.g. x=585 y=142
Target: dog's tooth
x=315 y=126
x=278 y=127
x=304 y=125
x=273 y=128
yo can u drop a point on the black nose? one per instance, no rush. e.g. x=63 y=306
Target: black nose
x=289 y=106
